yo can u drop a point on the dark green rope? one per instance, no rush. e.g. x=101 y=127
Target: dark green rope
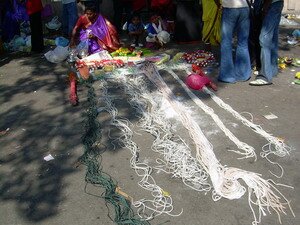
x=94 y=174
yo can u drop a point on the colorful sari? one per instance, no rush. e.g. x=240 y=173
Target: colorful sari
x=211 y=31
x=105 y=34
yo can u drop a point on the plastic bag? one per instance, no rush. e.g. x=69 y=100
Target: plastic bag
x=61 y=41
x=163 y=37
x=57 y=55
x=296 y=33
x=83 y=48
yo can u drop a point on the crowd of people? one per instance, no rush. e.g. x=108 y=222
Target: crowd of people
x=256 y=27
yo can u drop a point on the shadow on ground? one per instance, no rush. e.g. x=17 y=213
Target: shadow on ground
x=34 y=105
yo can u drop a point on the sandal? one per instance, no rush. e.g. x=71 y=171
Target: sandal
x=259 y=82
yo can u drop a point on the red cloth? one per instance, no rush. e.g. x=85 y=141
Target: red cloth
x=83 y=22
x=160 y=3
x=106 y=33
x=138 y=4
x=33 y=6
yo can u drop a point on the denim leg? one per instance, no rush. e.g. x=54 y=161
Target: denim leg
x=72 y=16
x=65 y=19
x=269 y=41
x=242 y=63
x=274 y=52
x=227 y=73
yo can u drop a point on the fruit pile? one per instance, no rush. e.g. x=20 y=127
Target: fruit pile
x=283 y=62
x=126 y=52
x=200 y=58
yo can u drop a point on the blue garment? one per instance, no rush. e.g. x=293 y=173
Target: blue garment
x=152 y=32
x=14 y=14
x=135 y=27
x=238 y=69
x=268 y=40
x=69 y=17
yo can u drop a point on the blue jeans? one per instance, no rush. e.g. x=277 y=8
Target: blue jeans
x=238 y=69
x=268 y=40
x=69 y=17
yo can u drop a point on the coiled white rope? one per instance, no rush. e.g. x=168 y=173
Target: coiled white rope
x=177 y=156
x=160 y=204
x=224 y=179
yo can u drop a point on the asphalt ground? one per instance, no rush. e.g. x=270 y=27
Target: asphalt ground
x=34 y=106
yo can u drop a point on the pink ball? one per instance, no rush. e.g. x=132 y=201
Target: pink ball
x=196 y=82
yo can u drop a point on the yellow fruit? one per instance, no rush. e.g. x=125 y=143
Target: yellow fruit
x=281 y=66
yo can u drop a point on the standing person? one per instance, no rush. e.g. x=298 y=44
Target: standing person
x=34 y=9
x=255 y=28
x=211 y=17
x=69 y=16
x=235 y=17
x=268 y=40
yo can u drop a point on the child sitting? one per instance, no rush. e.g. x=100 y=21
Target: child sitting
x=156 y=34
x=136 y=30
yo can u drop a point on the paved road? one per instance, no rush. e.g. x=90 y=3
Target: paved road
x=34 y=105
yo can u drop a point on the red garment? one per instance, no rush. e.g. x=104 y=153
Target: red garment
x=160 y=3
x=33 y=6
x=106 y=33
x=138 y=4
x=83 y=22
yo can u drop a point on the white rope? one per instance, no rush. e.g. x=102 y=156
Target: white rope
x=275 y=145
x=248 y=151
x=224 y=179
x=160 y=204
x=177 y=156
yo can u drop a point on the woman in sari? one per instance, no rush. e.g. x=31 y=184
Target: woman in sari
x=97 y=31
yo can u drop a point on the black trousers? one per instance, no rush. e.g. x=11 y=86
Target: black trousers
x=254 y=45
x=36 y=26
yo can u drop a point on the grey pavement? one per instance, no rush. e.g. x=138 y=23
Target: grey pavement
x=34 y=105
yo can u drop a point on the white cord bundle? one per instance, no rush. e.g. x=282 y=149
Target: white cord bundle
x=248 y=151
x=275 y=145
x=224 y=179
x=147 y=209
x=280 y=148
x=177 y=156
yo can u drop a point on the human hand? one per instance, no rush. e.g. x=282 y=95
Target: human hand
x=72 y=43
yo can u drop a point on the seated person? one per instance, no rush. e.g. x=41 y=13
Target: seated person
x=96 y=30
x=136 y=30
x=156 y=34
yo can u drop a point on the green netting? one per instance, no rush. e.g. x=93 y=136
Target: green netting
x=92 y=159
